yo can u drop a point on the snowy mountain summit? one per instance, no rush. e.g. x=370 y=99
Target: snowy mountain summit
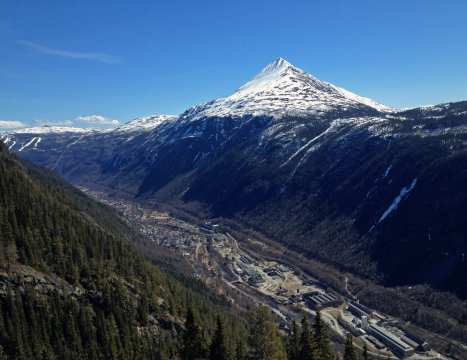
x=280 y=86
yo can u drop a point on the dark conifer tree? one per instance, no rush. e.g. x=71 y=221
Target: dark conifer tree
x=307 y=341
x=240 y=351
x=323 y=344
x=219 y=349
x=193 y=342
x=264 y=339
x=350 y=352
x=366 y=353
x=293 y=347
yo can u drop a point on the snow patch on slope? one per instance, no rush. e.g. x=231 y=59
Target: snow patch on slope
x=29 y=143
x=387 y=171
x=404 y=193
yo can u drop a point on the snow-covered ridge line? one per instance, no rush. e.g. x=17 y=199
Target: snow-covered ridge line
x=45 y=129
x=140 y=124
x=145 y=123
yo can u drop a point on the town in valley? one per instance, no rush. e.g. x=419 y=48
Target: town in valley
x=219 y=260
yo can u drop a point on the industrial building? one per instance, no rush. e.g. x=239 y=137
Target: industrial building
x=243 y=266
x=360 y=310
x=376 y=343
x=417 y=343
x=247 y=259
x=322 y=301
x=391 y=340
x=257 y=279
x=250 y=272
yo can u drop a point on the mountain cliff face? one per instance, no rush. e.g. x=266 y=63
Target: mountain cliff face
x=373 y=190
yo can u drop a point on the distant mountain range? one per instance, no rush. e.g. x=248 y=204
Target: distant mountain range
x=373 y=190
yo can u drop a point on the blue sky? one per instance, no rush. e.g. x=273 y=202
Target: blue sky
x=96 y=63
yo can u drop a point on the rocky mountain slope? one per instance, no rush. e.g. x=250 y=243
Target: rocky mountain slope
x=347 y=181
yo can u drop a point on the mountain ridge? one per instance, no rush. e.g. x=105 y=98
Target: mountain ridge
x=269 y=84
x=246 y=156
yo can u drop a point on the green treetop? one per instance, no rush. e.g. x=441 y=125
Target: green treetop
x=323 y=344
x=219 y=349
x=366 y=353
x=293 y=347
x=307 y=341
x=240 y=352
x=350 y=352
x=264 y=339
x=193 y=341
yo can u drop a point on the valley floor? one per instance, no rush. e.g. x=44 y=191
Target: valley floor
x=221 y=262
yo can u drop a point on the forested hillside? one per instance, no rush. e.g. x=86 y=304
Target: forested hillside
x=70 y=288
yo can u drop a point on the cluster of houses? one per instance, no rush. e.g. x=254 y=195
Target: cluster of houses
x=175 y=234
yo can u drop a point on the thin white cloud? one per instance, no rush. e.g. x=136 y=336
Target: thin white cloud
x=105 y=58
x=52 y=122
x=12 y=124
x=96 y=119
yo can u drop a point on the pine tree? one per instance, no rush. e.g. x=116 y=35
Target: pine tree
x=219 y=349
x=240 y=352
x=350 y=352
x=143 y=308
x=264 y=339
x=11 y=254
x=307 y=342
x=193 y=340
x=293 y=348
x=323 y=344
x=366 y=353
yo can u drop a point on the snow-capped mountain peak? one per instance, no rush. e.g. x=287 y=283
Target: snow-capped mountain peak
x=271 y=73
x=279 y=87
